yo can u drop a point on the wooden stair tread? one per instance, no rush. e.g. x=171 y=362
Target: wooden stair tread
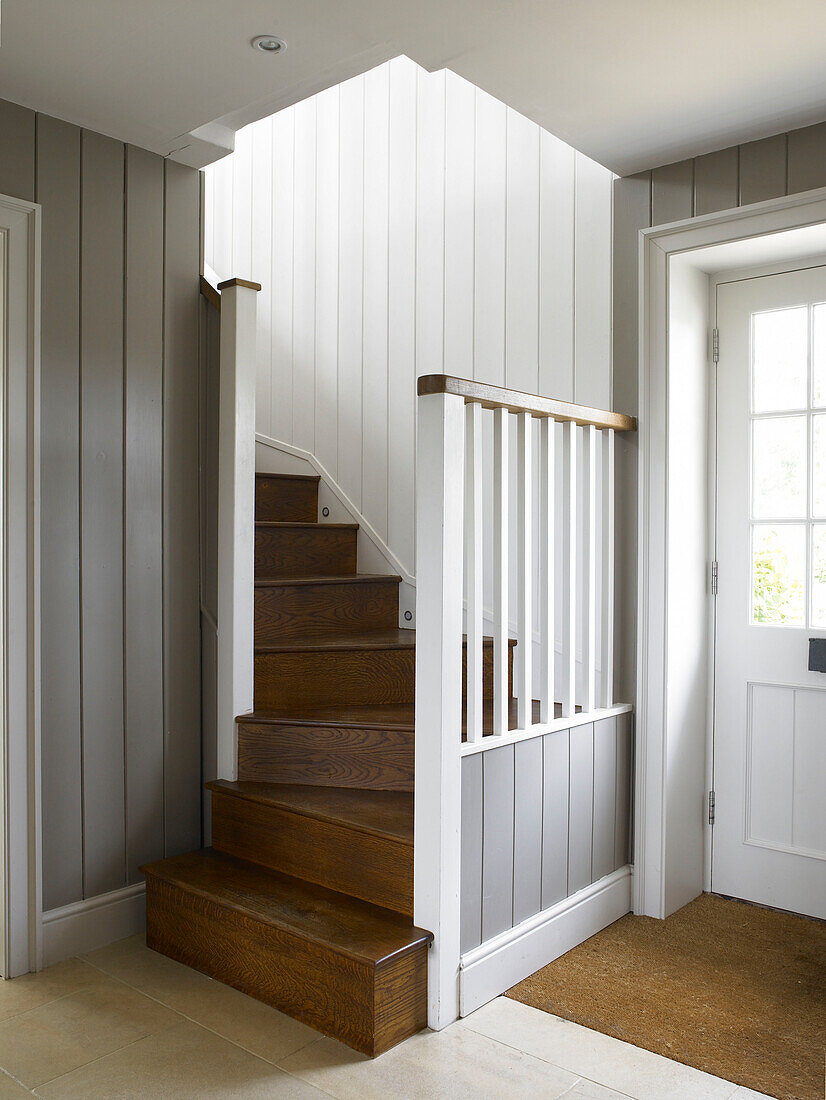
x=369 y=639
x=336 y=578
x=341 y=924
x=286 y=525
x=381 y=813
x=290 y=477
x=391 y=716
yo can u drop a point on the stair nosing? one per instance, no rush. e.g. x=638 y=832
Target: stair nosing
x=333 y=643
x=292 y=477
x=286 y=523
x=269 y=719
x=330 y=578
x=303 y=811
x=422 y=936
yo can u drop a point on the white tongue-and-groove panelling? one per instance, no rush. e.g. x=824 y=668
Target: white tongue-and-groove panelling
x=400 y=224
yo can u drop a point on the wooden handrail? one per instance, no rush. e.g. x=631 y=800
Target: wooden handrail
x=495 y=397
x=210 y=293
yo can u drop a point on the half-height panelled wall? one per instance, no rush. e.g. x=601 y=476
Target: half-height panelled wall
x=119 y=506
x=405 y=223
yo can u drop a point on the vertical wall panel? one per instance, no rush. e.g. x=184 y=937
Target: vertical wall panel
x=671 y=192
x=527 y=840
x=592 y=305
x=497 y=832
x=242 y=182
x=351 y=289
x=522 y=261
x=143 y=570
x=374 y=365
x=471 y=888
x=555 y=781
x=18 y=159
x=624 y=780
x=182 y=794
x=58 y=192
x=490 y=240
x=557 y=168
x=807 y=159
x=581 y=808
x=763 y=169
x=458 y=182
x=605 y=793
x=281 y=273
x=430 y=223
x=102 y=512
x=401 y=365
x=326 y=287
x=260 y=267
x=304 y=276
x=716 y=181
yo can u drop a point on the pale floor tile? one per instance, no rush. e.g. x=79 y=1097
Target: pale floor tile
x=453 y=1063
x=243 y=1020
x=185 y=1062
x=601 y=1058
x=10 y=1090
x=78 y=1028
x=742 y=1093
x=32 y=990
x=590 y=1090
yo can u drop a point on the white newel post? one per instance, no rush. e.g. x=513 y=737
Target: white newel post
x=236 y=514
x=437 y=832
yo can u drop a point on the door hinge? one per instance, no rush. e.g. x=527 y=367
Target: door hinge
x=715 y=345
x=711 y=807
x=714 y=578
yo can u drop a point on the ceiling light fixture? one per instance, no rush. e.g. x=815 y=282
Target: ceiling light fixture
x=268 y=43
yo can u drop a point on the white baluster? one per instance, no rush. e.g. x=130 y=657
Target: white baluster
x=500 y=571
x=547 y=624
x=524 y=588
x=608 y=567
x=589 y=578
x=474 y=576
x=569 y=569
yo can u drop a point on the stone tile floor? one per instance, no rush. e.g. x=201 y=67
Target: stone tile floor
x=126 y=1022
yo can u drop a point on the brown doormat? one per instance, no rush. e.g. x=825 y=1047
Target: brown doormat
x=729 y=988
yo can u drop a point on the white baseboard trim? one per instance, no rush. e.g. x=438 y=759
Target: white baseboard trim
x=488 y=970
x=84 y=925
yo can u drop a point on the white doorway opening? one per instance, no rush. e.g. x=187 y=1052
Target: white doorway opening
x=674 y=761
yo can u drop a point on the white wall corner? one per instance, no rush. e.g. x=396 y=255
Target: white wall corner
x=202 y=146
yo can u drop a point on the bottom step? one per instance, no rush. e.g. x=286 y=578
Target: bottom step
x=352 y=970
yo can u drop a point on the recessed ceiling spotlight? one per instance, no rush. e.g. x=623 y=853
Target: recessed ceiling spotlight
x=268 y=43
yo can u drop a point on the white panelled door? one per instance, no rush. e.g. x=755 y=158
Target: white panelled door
x=769 y=838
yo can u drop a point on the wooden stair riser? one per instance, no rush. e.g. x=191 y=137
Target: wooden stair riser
x=327 y=677
x=376 y=868
x=368 y=1008
x=311 y=610
x=286 y=499
x=318 y=551
x=325 y=756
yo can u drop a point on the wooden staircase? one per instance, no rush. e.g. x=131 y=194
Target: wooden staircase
x=305 y=900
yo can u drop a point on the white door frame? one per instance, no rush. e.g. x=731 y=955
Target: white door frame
x=655 y=787
x=20 y=588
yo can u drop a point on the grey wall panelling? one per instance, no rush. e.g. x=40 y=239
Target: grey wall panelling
x=624 y=779
x=143 y=567
x=716 y=181
x=104 y=359
x=58 y=192
x=763 y=169
x=471 y=885
x=527 y=839
x=555 y=779
x=671 y=192
x=605 y=797
x=806 y=159
x=580 y=807
x=101 y=510
x=182 y=656
x=497 y=831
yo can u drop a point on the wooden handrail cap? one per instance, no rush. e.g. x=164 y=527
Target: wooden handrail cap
x=496 y=397
x=239 y=282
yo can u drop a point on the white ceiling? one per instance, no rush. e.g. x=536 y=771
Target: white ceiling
x=631 y=83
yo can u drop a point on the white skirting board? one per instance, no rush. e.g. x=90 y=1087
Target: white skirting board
x=495 y=966
x=84 y=925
